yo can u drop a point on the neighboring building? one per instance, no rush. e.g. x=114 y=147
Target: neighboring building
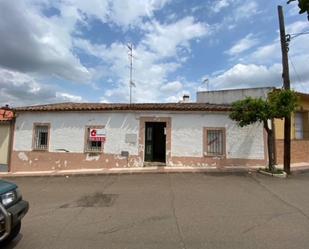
x=6 y=119
x=91 y=136
x=299 y=119
x=232 y=95
x=299 y=132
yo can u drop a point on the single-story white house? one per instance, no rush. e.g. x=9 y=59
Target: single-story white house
x=70 y=136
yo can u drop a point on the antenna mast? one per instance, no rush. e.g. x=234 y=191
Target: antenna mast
x=130 y=47
x=206 y=81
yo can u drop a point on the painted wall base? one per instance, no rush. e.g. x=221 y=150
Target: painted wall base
x=299 y=151
x=47 y=161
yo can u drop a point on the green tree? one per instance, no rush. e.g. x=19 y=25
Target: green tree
x=303 y=6
x=279 y=104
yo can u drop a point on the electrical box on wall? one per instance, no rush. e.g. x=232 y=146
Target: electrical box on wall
x=125 y=153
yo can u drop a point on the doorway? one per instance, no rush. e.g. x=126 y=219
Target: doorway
x=155 y=142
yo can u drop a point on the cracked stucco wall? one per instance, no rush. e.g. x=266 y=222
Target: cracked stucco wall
x=67 y=131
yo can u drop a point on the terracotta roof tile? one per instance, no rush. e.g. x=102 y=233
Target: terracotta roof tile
x=124 y=107
x=6 y=115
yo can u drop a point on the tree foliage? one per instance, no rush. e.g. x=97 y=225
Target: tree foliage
x=279 y=104
x=249 y=111
x=282 y=103
x=303 y=6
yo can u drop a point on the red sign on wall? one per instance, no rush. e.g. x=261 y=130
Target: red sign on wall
x=97 y=135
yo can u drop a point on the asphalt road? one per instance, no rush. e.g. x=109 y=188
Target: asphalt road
x=165 y=211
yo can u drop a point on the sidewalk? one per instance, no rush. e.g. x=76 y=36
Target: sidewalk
x=144 y=170
x=295 y=168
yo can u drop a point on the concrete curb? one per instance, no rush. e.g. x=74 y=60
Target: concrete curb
x=281 y=175
x=299 y=170
x=147 y=170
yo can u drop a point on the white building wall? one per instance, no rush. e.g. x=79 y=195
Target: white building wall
x=68 y=131
x=187 y=136
x=4 y=143
x=232 y=95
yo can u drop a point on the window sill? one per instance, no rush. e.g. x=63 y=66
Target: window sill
x=216 y=156
x=93 y=152
x=40 y=150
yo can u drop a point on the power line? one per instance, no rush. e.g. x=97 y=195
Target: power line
x=301 y=33
x=294 y=68
x=297 y=75
x=291 y=36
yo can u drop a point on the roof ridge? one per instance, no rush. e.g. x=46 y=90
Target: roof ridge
x=74 y=106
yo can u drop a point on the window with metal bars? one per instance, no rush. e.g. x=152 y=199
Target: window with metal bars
x=93 y=146
x=215 y=142
x=40 y=137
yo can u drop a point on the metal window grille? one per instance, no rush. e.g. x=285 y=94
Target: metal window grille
x=93 y=146
x=299 y=126
x=215 y=142
x=41 y=137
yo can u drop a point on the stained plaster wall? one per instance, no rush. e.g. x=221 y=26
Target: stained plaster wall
x=67 y=132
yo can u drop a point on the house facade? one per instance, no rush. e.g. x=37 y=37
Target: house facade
x=299 y=132
x=299 y=119
x=6 y=122
x=91 y=136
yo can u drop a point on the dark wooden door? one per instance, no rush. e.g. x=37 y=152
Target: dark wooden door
x=148 y=143
x=155 y=142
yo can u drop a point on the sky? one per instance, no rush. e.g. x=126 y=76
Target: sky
x=76 y=50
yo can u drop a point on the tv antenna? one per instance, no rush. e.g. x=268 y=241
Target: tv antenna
x=131 y=83
x=206 y=82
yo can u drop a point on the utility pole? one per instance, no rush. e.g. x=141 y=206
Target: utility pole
x=130 y=47
x=286 y=85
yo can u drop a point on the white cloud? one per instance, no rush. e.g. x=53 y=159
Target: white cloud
x=20 y=89
x=92 y=8
x=166 y=39
x=246 y=9
x=249 y=75
x=238 y=12
x=299 y=73
x=297 y=27
x=171 y=87
x=37 y=44
x=177 y=97
x=270 y=53
x=122 y=13
x=159 y=53
x=266 y=53
x=262 y=67
x=128 y=13
x=253 y=75
x=243 y=45
x=293 y=9
x=218 y=5
x=47 y=42
x=68 y=97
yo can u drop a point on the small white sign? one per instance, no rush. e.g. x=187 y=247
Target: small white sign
x=131 y=138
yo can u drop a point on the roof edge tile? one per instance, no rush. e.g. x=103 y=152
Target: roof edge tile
x=125 y=107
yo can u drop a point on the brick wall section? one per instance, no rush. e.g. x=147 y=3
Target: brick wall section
x=299 y=151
